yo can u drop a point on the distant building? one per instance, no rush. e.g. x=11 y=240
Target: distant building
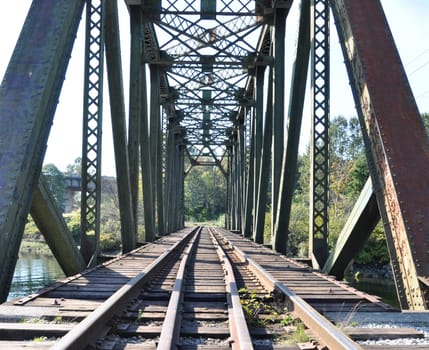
x=73 y=184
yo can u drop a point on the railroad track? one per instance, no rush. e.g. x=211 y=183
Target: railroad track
x=197 y=289
x=192 y=302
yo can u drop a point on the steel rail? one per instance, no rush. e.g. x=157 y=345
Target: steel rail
x=170 y=331
x=330 y=335
x=238 y=325
x=94 y=325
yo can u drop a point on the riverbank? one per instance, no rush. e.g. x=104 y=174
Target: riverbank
x=373 y=271
x=34 y=247
x=374 y=279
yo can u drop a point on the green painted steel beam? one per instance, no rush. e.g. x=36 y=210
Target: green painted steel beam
x=290 y=156
x=319 y=142
x=117 y=110
x=48 y=218
x=361 y=222
x=145 y=164
x=92 y=132
x=258 y=136
x=135 y=106
x=155 y=144
x=249 y=203
x=28 y=98
x=265 y=166
x=277 y=100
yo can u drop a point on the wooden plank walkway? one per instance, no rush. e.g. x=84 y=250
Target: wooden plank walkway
x=74 y=297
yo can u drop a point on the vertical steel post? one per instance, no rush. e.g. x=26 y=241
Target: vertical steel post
x=155 y=144
x=242 y=174
x=145 y=150
x=167 y=187
x=233 y=161
x=92 y=131
x=181 y=178
x=319 y=153
x=160 y=178
x=229 y=190
x=117 y=110
x=290 y=156
x=153 y=132
x=278 y=107
x=238 y=178
x=258 y=134
x=249 y=204
x=265 y=165
x=135 y=105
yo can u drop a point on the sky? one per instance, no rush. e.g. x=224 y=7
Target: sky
x=408 y=20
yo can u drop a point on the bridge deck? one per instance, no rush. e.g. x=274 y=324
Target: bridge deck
x=75 y=297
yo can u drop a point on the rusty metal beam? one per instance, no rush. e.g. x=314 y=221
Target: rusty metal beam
x=395 y=140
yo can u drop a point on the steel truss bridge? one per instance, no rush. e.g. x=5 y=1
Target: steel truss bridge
x=216 y=97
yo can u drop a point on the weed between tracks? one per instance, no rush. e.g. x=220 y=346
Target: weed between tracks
x=271 y=314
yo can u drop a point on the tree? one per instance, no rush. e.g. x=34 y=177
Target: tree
x=56 y=183
x=204 y=193
x=425 y=118
x=75 y=168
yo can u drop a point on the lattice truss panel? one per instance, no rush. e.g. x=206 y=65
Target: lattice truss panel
x=207 y=49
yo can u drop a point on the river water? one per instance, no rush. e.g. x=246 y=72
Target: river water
x=33 y=272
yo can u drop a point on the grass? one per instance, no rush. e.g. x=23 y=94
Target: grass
x=262 y=311
x=269 y=312
x=299 y=335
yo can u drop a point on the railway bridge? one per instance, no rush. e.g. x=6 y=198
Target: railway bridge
x=207 y=88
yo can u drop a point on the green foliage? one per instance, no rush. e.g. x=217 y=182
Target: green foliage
x=31 y=231
x=109 y=241
x=267 y=227
x=286 y=320
x=261 y=311
x=72 y=220
x=359 y=174
x=348 y=174
x=425 y=119
x=56 y=183
x=205 y=192
x=75 y=168
x=298 y=229
x=375 y=249
x=300 y=335
x=39 y=339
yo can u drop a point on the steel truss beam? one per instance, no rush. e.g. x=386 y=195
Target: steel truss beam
x=28 y=98
x=49 y=220
x=361 y=222
x=396 y=143
x=296 y=105
x=319 y=153
x=279 y=30
x=264 y=170
x=92 y=131
x=205 y=59
x=117 y=110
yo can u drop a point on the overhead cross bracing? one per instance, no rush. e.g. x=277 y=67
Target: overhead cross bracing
x=206 y=52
